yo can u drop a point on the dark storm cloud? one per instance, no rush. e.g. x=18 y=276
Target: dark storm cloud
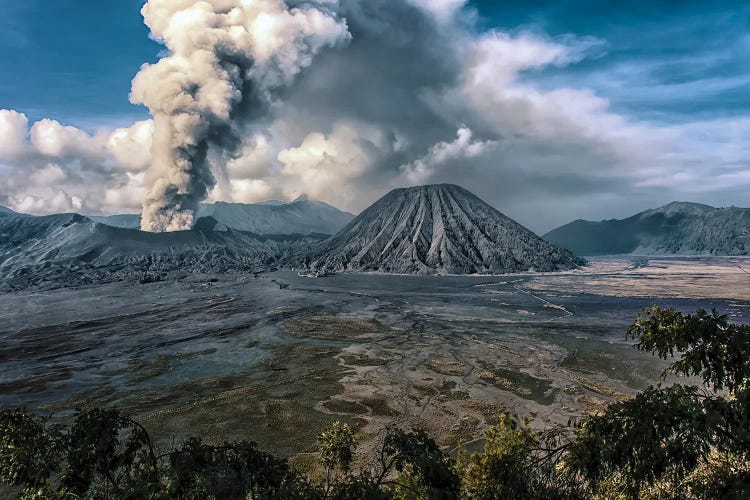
x=397 y=51
x=398 y=56
x=393 y=76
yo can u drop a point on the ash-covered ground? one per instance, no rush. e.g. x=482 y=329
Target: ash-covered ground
x=275 y=357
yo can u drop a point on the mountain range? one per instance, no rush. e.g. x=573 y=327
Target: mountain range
x=432 y=229
x=420 y=230
x=71 y=249
x=678 y=228
x=301 y=216
x=435 y=229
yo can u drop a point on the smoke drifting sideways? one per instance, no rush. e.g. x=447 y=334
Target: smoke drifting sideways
x=224 y=55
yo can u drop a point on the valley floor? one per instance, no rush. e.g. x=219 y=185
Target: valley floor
x=275 y=357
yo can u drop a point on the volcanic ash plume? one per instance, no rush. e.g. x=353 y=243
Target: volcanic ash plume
x=220 y=51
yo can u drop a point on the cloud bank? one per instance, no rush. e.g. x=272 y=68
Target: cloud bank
x=47 y=167
x=344 y=100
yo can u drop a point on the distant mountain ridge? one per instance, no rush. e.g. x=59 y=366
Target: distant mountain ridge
x=441 y=229
x=679 y=228
x=127 y=221
x=301 y=216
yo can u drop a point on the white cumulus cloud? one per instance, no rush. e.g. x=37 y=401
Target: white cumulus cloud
x=50 y=167
x=51 y=138
x=131 y=146
x=323 y=167
x=462 y=148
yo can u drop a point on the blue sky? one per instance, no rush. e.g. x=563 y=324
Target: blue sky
x=662 y=60
x=72 y=60
x=584 y=109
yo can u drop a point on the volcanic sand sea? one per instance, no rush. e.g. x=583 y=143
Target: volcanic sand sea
x=243 y=357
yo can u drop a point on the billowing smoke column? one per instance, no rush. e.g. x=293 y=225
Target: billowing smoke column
x=219 y=52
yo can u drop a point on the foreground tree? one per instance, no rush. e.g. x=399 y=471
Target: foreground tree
x=408 y=465
x=516 y=463
x=106 y=455
x=678 y=441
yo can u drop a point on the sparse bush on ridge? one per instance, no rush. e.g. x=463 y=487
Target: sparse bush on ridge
x=147 y=278
x=680 y=441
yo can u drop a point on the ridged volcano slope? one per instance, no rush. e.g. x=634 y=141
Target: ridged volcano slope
x=435 y=229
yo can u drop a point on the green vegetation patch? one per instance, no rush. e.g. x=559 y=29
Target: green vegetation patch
x=345 y=407
x=274 y=406
x=362 y=360
x=380 y=407
x=447 y=367
x=329 y=327
x=521 y=384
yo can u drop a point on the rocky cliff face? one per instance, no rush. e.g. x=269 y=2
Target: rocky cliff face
x=435 y=229
x=678 y=228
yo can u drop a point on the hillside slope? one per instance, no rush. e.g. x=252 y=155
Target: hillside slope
x=435 y=229
x=678 y=228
